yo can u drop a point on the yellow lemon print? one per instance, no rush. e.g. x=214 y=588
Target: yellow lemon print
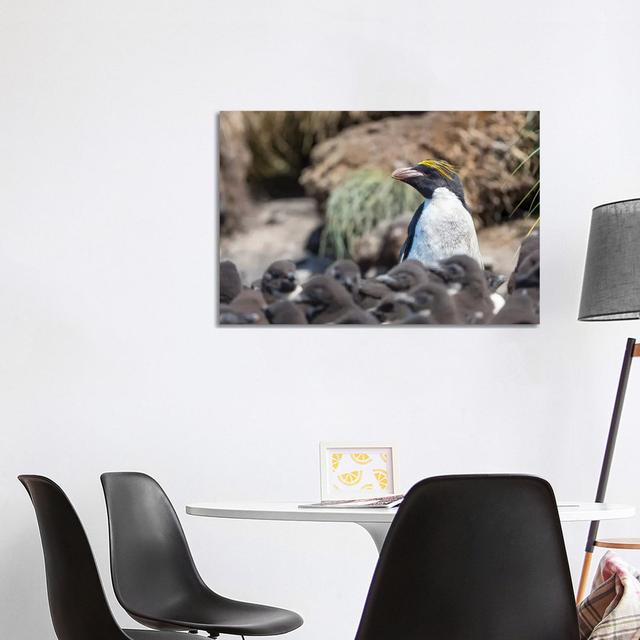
x=361 y=458
x=350 y=478
x=382 y=477
x=335 y=460
x=384 y=457
x=367 y=487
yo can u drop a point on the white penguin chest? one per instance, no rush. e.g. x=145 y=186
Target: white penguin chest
x=445 y=228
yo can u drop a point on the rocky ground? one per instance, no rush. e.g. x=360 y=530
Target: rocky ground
x=278 y=229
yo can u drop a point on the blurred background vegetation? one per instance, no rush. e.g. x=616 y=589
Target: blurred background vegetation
x=309 y=185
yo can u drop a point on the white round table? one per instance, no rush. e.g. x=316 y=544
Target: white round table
x=377 y=521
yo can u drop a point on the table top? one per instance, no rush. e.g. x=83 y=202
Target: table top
x=569 y=512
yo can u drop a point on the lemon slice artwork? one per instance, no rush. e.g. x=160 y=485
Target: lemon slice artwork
x=350 y=478
x=382 y=477
x=335 y=460
x=361 y=458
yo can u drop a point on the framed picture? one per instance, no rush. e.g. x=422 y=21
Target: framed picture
x=350 y=470
x=334 y=218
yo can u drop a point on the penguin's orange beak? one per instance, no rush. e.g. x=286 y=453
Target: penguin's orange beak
x=406 y=173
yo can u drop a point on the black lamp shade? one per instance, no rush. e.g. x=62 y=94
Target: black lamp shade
x=611 y=285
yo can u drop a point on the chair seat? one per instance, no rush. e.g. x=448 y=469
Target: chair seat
x=216 y=614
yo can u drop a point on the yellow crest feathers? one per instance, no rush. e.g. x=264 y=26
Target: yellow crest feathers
x=444 y=168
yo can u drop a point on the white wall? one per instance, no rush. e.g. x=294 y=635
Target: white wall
x=109 y=358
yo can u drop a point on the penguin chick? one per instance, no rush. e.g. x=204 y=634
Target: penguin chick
x=435 y=298
x=436 y=274
x=394 y=308
x=347 y=273
x=494 y=280
x=285 y=312
x=442 y=226
x=528 y=279
x=498 y=302
x=405 y=276
x=230 y=316
x=279 y=280
x=420 y=317
x=370 y=293
x=519 y=308
x=530 y=245
x=230 y=282
x=250 y=302
x=468 y=288
x=356 y=315
x=528 y=275
x=324 y=300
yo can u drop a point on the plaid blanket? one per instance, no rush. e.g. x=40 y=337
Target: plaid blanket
x=612 y=610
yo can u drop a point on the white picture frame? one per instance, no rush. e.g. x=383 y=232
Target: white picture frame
x=351 y=470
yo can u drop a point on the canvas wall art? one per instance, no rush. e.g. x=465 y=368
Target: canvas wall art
x=379 y=218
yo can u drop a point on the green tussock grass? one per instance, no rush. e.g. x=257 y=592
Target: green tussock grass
x=358 y=204
x=529 y=147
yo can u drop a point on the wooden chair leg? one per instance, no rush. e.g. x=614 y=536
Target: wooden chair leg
x=584 y=576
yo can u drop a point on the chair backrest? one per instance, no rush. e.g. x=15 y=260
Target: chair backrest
x=473 y=558
x=151 y=564
x=78 y=606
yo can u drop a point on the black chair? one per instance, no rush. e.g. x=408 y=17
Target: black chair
x=154 y=576
x=473 y=558
x=78 y=606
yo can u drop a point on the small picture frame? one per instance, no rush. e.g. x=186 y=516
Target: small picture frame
x=352 y=470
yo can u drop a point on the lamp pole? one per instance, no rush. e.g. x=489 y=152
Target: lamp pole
x=630 y=352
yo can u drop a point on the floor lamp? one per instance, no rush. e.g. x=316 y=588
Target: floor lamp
x=611 y=291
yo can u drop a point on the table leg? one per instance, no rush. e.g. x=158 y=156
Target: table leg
x=377 y=530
